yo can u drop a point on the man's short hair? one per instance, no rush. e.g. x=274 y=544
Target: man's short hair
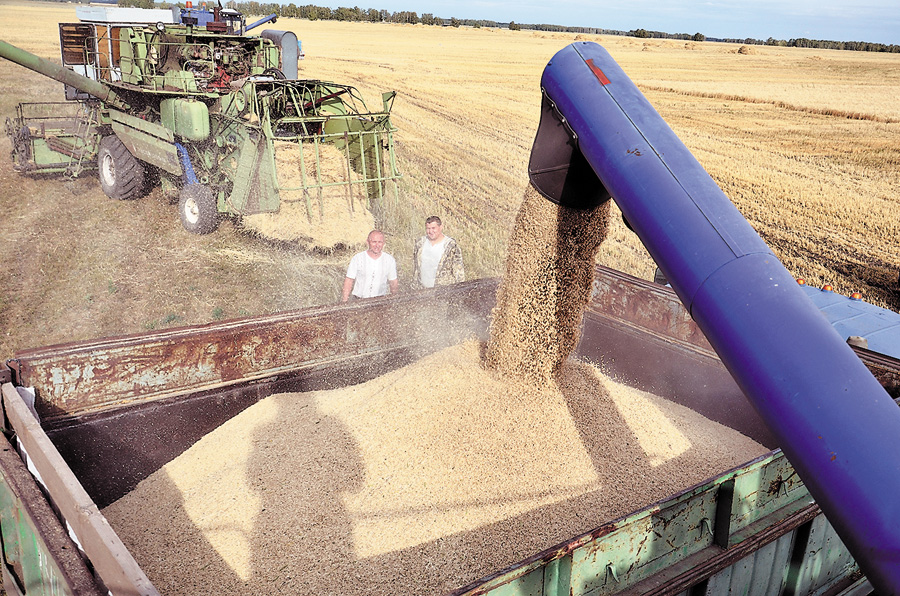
x=433 y=219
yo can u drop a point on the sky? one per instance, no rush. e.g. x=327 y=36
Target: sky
x=834 y=20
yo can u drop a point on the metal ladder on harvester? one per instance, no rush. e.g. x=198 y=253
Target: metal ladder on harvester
x=86 y=141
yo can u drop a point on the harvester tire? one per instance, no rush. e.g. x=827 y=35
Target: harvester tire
x=275 y=73
x=122 y=175
x=197 y=207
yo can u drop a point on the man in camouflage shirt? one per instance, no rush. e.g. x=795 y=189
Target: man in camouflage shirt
x=437 y=259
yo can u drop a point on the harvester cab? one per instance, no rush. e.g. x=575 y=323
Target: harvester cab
x=223 y=20
x=218 y=116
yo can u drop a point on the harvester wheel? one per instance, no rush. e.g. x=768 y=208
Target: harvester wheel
x=275 y=73
x=197 y=207
x=122 y=175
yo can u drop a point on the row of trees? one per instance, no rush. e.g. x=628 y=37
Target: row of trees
x=313 y=12
x=643 y=33
x=802 y=42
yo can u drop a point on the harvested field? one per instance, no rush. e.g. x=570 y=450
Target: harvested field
x=805 y=142
x=418 y=481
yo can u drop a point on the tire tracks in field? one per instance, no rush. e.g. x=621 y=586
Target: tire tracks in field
x=777 y=103
x=486 y=126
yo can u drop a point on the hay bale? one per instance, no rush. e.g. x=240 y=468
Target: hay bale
x=310 y=214
x=549 y=270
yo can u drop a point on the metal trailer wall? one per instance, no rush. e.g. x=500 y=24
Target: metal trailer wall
x=754 y=530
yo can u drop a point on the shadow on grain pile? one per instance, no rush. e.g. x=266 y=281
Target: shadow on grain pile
x=435 y=474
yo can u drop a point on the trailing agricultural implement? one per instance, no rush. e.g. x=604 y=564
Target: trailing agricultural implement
x=95 y=418
x=215 y=115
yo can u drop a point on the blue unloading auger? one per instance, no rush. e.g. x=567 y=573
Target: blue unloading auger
x=600 y=137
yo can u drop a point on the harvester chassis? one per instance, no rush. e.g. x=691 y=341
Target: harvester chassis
x=200 y=110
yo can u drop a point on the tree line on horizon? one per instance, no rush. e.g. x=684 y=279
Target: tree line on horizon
x=313 y=12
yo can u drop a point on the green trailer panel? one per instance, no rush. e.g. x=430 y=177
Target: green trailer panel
x=746 y=532
x=39 y=558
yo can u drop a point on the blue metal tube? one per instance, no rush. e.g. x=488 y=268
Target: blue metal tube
x=190 y=177
x=836 y=424
x=271 y=18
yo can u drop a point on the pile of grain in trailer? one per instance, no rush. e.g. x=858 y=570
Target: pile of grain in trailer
x=536 y=322
x=314 y=213
x=436 y=474
x=418 y=481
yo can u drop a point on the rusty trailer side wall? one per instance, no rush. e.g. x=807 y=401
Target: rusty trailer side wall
x=77 y=379
x=120 y=409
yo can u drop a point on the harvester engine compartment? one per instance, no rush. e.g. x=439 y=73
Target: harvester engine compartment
x=164 y=57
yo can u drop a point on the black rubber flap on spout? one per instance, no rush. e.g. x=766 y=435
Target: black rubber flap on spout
x=557 y=169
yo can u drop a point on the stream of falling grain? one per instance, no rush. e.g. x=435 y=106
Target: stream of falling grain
x=547 y=283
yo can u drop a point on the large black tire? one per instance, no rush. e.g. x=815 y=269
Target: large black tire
x=122 y=175
x=197 y=208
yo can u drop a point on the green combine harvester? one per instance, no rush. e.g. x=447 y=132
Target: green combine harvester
x=186 y=99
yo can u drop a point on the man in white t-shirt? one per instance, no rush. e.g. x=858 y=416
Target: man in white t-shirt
x=437 y=259
x=372 y=272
